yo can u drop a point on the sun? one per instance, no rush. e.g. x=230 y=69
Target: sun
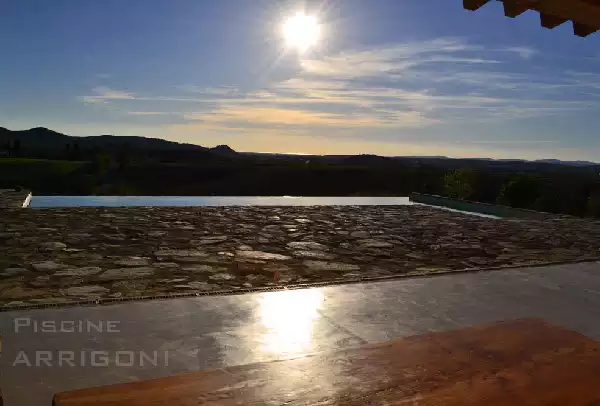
x=301 y=32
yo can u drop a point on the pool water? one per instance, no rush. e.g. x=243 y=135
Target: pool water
x=167 y=201
x=120 y=201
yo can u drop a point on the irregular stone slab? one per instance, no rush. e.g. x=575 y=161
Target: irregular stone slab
x=330 y=266
x=303 y=220
x=132 y=261
x=479 y=260
x=307 y=245
x=52 y=246
x=360 y=234
x=49 y=300
x=165 y=265
x=244 y=247
x=210 y=240
x=195 y=285
x=180 y=253
x=89 y=290
x=176 y=280
x=193 y=259
x=20 y=292
x=372 y=243
x=200 y=268
x=157 y=233
x=84 y=271
x=313 y=254
x=80 y=236
x=249 y=261
x=40 y=281
x=222 y=276
x=127 y=273
x=285 y=277
x=276 y=266
x=46 y=266
x=114 y=237
x=216 y=260
x=260 y=255
x=71 y=280
x=131 y=286
x=13 y=271
x=432 y=269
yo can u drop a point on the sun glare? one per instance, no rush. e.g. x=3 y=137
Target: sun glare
x=301 y=32
x=289 y=318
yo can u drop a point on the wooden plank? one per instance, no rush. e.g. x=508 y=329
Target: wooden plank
x=585 y=14
x=474 y=5
x=576 y=10
x=583 y=30
x=549 y=21
x=523 y=362
x=514 y=9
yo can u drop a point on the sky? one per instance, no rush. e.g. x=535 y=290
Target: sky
x=388 y=77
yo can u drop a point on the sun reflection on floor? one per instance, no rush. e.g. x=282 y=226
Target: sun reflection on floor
x=288 y=318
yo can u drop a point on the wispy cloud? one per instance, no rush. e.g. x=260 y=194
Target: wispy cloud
x=103 y=94
x=403 y=86
x=148 y=113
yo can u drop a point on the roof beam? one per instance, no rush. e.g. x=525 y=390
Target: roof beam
x=549 y=21
x=585 y=14
x=474 y=5
x=583 y=30
x=514 y=8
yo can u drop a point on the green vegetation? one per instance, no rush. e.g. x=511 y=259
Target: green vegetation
x=521 y=190
x=461 y=183
x=52 y=163
x=593 y=204
x=54 y=176
x=60 y=165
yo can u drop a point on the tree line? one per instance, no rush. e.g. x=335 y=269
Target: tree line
x=124 y=169
x=575 y=195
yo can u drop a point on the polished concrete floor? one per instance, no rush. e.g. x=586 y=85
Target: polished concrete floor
x=180 y=335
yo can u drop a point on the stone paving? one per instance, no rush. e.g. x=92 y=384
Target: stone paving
x=55 y=256
x=10 y=198
x=203 y=333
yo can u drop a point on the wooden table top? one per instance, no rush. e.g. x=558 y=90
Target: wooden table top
x=522 y=362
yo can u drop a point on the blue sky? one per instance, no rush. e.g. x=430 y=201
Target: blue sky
x=391 y=77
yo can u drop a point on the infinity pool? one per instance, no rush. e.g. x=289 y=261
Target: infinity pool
x=119 y=201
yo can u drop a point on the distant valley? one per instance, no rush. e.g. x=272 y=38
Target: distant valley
x=44 y=141
x=51 y=163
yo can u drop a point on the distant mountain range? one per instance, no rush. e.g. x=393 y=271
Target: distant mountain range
x=570 y=163
x=543 y=161
x=44 y=138
x=41 y=138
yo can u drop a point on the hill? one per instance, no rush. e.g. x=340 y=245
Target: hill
x=43 y=138
x=223 y=150
x=49 y=162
